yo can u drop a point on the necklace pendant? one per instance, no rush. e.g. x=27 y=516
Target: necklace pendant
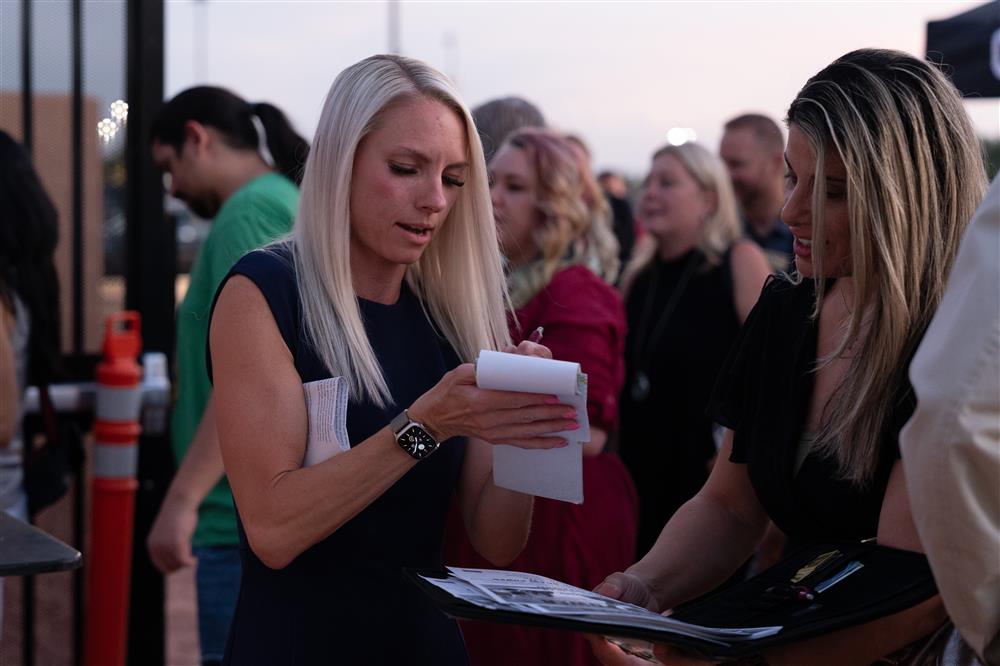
x=640 y=387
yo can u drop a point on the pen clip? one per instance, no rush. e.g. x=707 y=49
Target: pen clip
x=817 y=564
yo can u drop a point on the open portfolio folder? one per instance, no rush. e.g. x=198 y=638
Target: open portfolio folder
x=531 y=593
x=552 y=473
x=818 y=589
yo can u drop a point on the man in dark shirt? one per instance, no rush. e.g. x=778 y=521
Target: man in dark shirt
x=623 y=221
x=753 y=149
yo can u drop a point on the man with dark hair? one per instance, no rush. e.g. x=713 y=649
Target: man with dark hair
x=234 y=162
x=753 y=149
x=613 y=184
x=626 y=229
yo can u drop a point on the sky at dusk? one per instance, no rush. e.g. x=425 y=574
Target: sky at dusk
x=621 y=74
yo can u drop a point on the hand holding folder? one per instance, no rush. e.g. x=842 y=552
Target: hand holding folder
x=742 y=619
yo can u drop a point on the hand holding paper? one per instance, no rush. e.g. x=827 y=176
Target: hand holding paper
x=532 y=374
x=553 y=473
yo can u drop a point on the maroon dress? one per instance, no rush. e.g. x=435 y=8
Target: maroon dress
x=584 y=321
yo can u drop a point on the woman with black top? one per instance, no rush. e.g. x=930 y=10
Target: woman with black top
x=686 y=296
x=884 y=172
x=392 y=282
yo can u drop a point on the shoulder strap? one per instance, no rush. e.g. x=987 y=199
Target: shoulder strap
x=50 y=425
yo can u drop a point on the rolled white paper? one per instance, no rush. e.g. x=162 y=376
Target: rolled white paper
x=527 y=374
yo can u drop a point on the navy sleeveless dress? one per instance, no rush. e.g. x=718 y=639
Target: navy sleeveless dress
x=345 y=600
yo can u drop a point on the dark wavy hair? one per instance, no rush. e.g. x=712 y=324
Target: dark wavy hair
x=29 y=232
x=231 y=116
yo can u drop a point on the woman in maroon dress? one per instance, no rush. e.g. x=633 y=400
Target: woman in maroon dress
x=562 y=257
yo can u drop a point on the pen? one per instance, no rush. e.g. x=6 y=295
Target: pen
x=804 y=593
x=839 y=576
x=536 y=335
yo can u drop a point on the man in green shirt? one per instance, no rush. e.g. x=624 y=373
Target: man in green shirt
x=234 y=162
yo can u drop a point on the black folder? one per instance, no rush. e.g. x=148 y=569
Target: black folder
x=888 y=581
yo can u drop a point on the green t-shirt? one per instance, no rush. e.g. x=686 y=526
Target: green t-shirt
x=259 y=212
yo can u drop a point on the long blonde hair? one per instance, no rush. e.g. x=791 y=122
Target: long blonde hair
x=722 y=226
x=915 y=175
x=574 y=231
x=459 y=277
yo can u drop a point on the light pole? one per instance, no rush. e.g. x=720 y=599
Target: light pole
x=394 y=27
x=450 y=42
x=199 y=34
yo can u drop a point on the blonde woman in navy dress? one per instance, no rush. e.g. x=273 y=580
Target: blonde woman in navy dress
x=393 y=280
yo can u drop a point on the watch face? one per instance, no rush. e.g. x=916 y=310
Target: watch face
x=417 y=442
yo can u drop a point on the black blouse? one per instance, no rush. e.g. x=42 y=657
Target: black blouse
x=763 y=395
x=665 y=438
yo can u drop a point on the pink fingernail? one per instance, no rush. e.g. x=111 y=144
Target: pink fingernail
x=563 y=444
x=552 y=400
x=573 y=426
x=570 y=414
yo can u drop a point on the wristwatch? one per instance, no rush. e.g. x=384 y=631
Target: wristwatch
x=413 y=437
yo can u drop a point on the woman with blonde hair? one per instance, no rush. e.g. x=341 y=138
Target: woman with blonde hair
x=390 y=285
x=570 y=226
x=688 y=290
x=884 y=173
x=562 y=260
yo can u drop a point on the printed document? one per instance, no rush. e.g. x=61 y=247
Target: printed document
x=538 y=595
x=326 y=404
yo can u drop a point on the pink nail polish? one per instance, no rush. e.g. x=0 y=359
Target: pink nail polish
x=570 y=414
x=573 y=426
x=552 y=400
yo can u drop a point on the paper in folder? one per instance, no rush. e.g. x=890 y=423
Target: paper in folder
x=552 y=473
x=845 y=584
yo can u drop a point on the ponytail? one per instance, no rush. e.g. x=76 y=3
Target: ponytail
x=287 y=149
x=239 y=123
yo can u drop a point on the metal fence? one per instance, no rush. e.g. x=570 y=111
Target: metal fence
x=63 y=66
